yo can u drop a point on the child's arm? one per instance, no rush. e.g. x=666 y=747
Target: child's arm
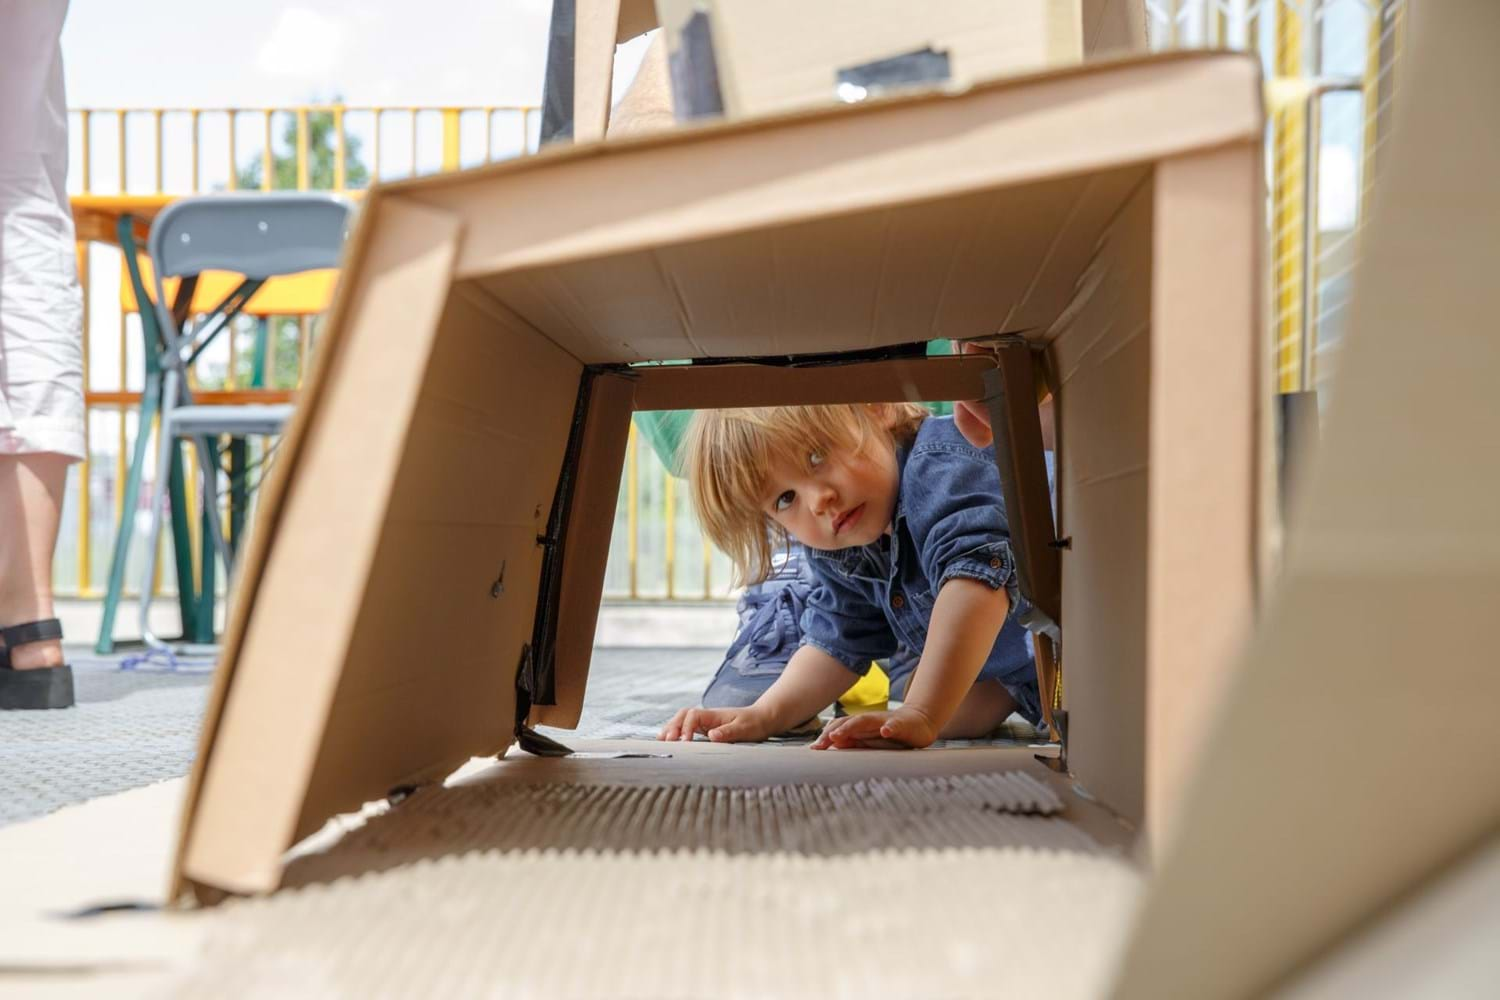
x=966 y=618
x=811 y=681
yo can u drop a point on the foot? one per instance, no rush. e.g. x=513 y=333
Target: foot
x=32 y=671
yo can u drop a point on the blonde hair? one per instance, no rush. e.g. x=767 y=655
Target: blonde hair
x=729 y=455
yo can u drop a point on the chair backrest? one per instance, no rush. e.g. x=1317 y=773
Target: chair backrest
x=257 y=235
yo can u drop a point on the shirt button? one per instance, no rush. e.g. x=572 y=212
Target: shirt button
x=995 y=563
x=897 y=601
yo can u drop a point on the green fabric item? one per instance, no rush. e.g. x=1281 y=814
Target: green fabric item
x=664 y=429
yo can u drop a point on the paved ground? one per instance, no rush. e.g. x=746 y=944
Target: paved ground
x=133 y=727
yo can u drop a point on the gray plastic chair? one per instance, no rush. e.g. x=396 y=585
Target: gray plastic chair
x=258 y=236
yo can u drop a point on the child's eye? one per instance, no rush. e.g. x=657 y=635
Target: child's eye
x=785 y=500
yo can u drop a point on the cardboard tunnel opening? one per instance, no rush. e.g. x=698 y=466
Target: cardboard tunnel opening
x=393 y=589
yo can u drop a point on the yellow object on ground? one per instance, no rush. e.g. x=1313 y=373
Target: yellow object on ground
x=870 y=693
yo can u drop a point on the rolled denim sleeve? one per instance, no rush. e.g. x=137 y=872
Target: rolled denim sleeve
x=957 y=518
x=843 y=623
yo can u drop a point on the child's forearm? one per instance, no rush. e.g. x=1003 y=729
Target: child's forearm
x=965 y=621
x=810 y=683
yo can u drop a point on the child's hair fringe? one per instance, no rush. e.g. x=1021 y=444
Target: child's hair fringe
x=730 y=454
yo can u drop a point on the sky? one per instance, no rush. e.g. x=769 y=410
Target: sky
x=212 y=53
x=279 y=53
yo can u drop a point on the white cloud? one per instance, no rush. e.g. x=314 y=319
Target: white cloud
x=303 y=45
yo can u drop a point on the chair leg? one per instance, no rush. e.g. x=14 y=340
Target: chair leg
x=125 y=529
x=166 y=452
x=182 y=542
x=208 y=464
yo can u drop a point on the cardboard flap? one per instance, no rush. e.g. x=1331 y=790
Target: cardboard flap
x=1314 y=805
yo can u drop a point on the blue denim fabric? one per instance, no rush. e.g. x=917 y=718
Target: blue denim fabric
x=949 y=522
x=770 y=630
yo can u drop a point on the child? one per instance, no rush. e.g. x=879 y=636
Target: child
x=907 y=543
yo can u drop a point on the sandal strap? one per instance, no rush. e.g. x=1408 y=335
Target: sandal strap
x=29 y=632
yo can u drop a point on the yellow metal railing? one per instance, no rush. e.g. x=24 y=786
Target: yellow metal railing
x=128 y=160
x=659 y=553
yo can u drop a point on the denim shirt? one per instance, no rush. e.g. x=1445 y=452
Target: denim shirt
x=949 y=522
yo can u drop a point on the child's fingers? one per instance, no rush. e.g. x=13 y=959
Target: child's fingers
x=673 y=726
x=732 y=731
x=691 y=723
x=825 y=738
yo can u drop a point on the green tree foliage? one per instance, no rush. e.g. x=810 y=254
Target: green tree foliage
x=321 y=146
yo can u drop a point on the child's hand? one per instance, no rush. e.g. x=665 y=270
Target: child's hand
x=904 y=728
x=721 y=725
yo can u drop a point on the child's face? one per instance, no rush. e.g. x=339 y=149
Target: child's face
x=839 y=500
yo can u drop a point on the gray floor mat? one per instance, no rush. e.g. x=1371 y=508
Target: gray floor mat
x=135 y=727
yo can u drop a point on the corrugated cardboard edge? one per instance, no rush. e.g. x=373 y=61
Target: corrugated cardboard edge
x=271 y=505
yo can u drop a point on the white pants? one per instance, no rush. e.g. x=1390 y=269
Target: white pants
x=41 y=310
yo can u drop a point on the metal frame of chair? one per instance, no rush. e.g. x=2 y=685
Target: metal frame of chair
x=258 y=236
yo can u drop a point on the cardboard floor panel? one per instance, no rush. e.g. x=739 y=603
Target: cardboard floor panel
x=1005 y=809
x=947 y=923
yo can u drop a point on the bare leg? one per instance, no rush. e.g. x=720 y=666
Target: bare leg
x=985 y=706
x=31 y=498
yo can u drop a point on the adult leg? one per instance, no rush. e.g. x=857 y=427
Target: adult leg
x=31 y=498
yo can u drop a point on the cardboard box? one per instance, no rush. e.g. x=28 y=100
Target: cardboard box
x=470 y=403
x=753 y=57
x=1108 y=214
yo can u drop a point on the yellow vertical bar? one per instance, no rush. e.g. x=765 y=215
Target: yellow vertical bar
x=413 y=112
x=375 y=147
x=234 y=159
x=1288 y=213
x=121 y=162
x=525 y=131
x=268 y=160
x=451 y=136
x=301 y=149
x=231 y=380
x=632 y=510
x=193 y=116
x=85 y=557
x=489 y=134
x=156 y=134
x=190 y=503
x=85 y=128
x=671 y=505
x=340 y=148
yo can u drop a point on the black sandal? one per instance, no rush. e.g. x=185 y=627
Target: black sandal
x=44 y=687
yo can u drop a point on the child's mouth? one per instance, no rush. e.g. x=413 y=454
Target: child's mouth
x=848 y=519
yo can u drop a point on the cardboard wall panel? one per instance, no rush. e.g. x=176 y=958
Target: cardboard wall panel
x=1291 y=838
x=1100 y=351
x=312 y=583
x=591 y=522
x=432 y=663
x=1207 y=385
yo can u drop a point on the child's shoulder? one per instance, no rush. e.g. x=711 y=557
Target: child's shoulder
x=939 y=438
